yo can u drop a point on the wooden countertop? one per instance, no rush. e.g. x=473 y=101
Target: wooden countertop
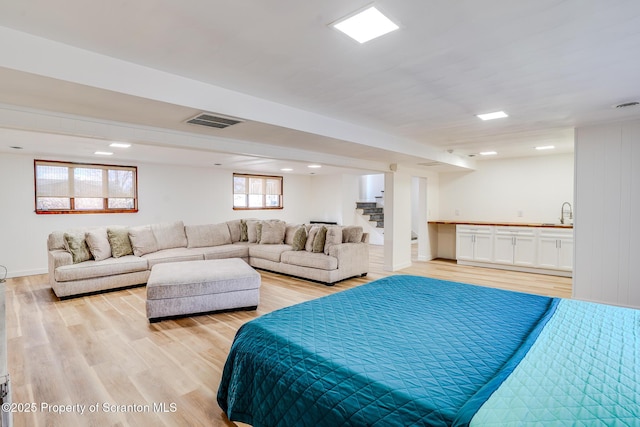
x=503 y=224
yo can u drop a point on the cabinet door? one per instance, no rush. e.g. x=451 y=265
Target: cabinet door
x=503 y=248
x=483 y=248
x=565 y=254
x=548 y=252
x=524 y=251
x=464 y=246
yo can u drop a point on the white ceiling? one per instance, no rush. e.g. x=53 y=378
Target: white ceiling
x=552 y=65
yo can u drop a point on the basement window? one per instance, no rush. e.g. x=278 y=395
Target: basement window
x=77 y=188
x=256 y=192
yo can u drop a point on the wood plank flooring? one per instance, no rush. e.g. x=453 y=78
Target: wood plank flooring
x=100 y=351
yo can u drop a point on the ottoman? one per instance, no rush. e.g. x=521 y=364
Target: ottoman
x=192 y=287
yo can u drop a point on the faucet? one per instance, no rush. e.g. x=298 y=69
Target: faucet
x=562 y=212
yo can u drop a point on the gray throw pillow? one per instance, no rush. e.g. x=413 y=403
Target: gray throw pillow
x=352 y=234
x=119 y=241
x=143 y=241
x=334 y=237
x=299 y=239
x=77 y=246
x=311 y=234
x=98 y=243
x=272 y=232
x=319 y=240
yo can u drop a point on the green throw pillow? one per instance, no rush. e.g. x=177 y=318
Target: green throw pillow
x=299 y=239
x=318 y=241
x=119 y=241
x=77 y=245
x=244 y=233
x=258 y=232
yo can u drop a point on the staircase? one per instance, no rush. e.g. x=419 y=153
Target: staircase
x=375 y=213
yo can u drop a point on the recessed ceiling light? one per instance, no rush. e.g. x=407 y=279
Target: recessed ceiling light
x=314 y=166
x=15 y=147
x=286 y=170
x=103 y=153
x=488 y=153
x=366 y=25
x=120 y=145
x=491 y=116
x=545 y=147
x=217 y=164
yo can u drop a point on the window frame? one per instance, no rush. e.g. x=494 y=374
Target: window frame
x=263 y=194
x=105 y=200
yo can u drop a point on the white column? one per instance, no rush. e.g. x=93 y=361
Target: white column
x=424 y=249
x=397 y=220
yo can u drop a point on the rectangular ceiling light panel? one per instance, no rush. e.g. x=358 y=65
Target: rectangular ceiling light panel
x=491 y=116
x=366 y=25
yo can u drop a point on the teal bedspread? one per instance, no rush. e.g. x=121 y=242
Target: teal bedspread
x=584 y=369
x=400 y=351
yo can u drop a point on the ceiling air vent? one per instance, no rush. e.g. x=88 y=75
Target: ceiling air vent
x=213 y=121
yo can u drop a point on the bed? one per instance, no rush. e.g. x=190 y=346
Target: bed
x=415 y=351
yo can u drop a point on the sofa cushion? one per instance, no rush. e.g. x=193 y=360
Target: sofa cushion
x=92 y=269
x=290 y=231
x=309 y=259
x=234 y=230
x=272 y=232
x=333 y=237
x=319 y=240
x=299 y=239
x=244 y=232
x=98 y=243
x=352 y=234
x=172 y=255
x=237 y=250
x=56 y=241
x=119 y=241
x=199 y=236
x=252 y=230
x=143 y=241
x=311 y=234
x=269 y=252
x=170 y=235
x=76 y=244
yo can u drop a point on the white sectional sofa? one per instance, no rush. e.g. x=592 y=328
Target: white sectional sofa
x=90 y=260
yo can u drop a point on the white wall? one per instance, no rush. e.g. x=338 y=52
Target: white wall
x=607 y=230
x=370 y=187
x=166 y=193
x=528 y=190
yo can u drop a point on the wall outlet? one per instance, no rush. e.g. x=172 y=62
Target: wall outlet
x=457 y=212
x=520 y=214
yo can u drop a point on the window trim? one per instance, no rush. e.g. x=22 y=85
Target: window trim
x=263 y=177
x=72 y=210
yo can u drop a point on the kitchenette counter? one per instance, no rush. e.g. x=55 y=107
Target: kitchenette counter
x=502 y=224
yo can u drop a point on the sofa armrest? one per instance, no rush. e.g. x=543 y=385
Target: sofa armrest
x=351 y=256
x=58 y=258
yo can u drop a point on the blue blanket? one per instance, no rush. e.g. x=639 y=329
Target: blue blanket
x=400 y=351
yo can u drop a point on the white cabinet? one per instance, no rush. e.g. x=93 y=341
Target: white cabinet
x=555 y=249
x=474 y=243
x=515 y=245
x=531 y=249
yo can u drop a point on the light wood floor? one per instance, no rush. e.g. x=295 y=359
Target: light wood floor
x=100 y=349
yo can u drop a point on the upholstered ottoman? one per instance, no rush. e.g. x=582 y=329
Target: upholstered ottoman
x=192 y=287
